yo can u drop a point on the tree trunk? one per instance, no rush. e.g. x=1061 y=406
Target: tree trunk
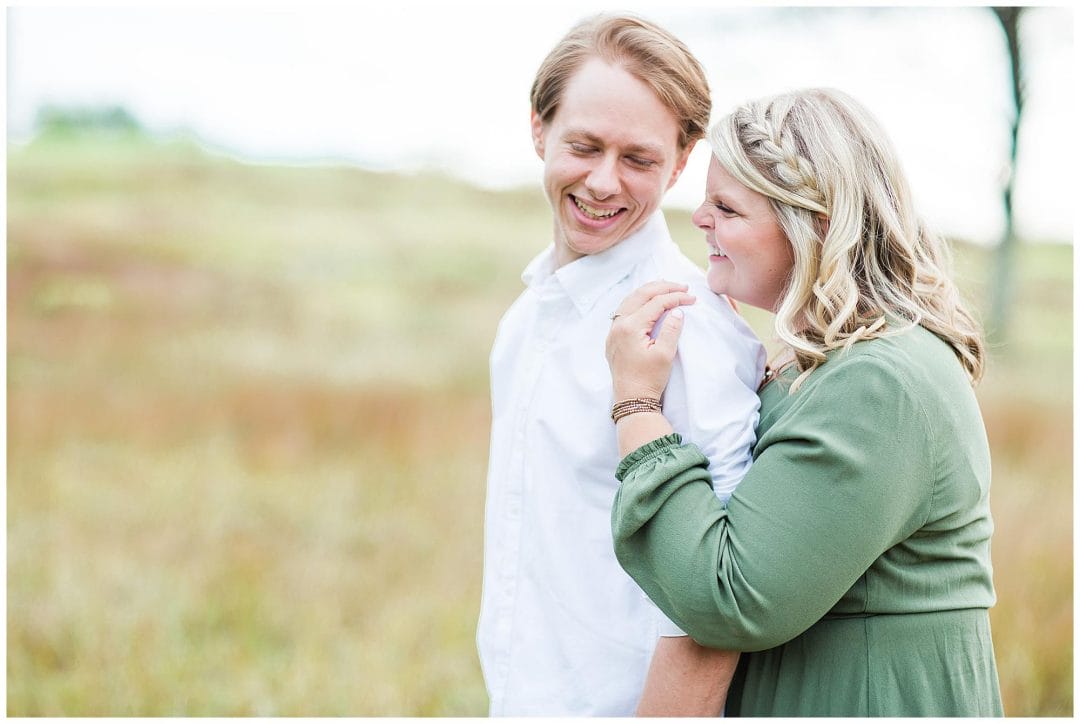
x=1004 y=259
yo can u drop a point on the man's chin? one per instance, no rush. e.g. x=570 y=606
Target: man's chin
x=589 y=244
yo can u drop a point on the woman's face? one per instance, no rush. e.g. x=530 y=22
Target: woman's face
x=750 y=258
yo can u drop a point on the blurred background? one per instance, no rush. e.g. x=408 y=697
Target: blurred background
x=255 y=262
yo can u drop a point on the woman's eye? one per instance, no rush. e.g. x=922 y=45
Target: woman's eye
x=581 y=148
x=720 y=206
x=641 y=162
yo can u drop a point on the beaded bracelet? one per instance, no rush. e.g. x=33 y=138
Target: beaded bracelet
x=636 y=404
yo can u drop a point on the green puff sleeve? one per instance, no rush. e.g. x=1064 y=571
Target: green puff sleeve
x=840 y=476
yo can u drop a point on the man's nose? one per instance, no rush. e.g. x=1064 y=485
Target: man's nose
x=603 y=180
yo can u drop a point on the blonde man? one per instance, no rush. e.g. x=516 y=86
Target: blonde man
x=616 y=108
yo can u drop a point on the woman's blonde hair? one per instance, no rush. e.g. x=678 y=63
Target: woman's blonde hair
x=643 y=49
x=865 y=264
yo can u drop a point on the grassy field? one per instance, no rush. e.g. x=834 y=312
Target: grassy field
x=247 y=437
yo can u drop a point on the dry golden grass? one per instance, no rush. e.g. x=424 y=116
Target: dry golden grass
x=247 y=438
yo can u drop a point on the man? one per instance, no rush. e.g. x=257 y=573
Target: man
x=617 y=107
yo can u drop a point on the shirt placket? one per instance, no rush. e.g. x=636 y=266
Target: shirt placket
x=553 y=308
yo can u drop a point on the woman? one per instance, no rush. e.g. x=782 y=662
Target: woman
x=852 y=563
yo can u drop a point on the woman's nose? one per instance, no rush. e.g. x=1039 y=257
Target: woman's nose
x=700 y=218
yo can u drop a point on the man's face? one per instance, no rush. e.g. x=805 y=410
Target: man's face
x=610 y=153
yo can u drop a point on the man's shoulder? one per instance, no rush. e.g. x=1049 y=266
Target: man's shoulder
x=669 y=256
x=668 y=263
x=711 y=314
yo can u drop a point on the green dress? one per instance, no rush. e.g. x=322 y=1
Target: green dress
x=852 y=564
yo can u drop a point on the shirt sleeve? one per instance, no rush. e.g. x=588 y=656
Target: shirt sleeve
x=842 y=477
x=711 y=397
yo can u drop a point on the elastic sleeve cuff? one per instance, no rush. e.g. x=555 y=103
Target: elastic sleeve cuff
x=646 y=452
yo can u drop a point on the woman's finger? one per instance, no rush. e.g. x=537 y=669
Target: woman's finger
x=640 y=296
x=667 y=337
x=654 y=308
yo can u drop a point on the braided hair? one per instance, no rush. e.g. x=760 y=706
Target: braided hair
x=865 y=265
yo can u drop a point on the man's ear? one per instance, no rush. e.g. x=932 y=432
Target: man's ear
x=537 y=125
x=680 y=164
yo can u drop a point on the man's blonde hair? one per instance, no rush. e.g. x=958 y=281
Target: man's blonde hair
x=865 y=265
x=643 y=49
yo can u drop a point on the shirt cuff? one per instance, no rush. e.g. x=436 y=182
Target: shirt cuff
x=646 y=452
x=667 y=629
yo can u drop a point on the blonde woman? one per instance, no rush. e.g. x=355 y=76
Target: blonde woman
x=852 y=564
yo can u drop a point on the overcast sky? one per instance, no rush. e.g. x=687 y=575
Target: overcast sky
x=404 y=86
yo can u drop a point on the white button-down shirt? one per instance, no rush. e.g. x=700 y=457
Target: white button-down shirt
x=563 y=630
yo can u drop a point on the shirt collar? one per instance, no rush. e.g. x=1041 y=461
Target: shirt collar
x=586 y=279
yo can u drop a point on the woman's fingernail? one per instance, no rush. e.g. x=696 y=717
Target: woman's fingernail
x=677 y=313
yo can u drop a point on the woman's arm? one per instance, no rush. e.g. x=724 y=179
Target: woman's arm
x=640 y=428
x=844 y=476
x=687 y=679
x=640 y=365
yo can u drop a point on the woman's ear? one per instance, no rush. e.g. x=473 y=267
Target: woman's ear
x=822 y=224
x=537 y=125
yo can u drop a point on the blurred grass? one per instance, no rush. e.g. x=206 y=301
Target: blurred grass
x=248 y=424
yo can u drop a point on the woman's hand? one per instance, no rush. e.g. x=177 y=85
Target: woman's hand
x=640 y=365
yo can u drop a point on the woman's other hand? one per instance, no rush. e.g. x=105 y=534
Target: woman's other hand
x=640 y=361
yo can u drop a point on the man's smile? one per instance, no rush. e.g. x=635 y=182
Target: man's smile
x=596 y=213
